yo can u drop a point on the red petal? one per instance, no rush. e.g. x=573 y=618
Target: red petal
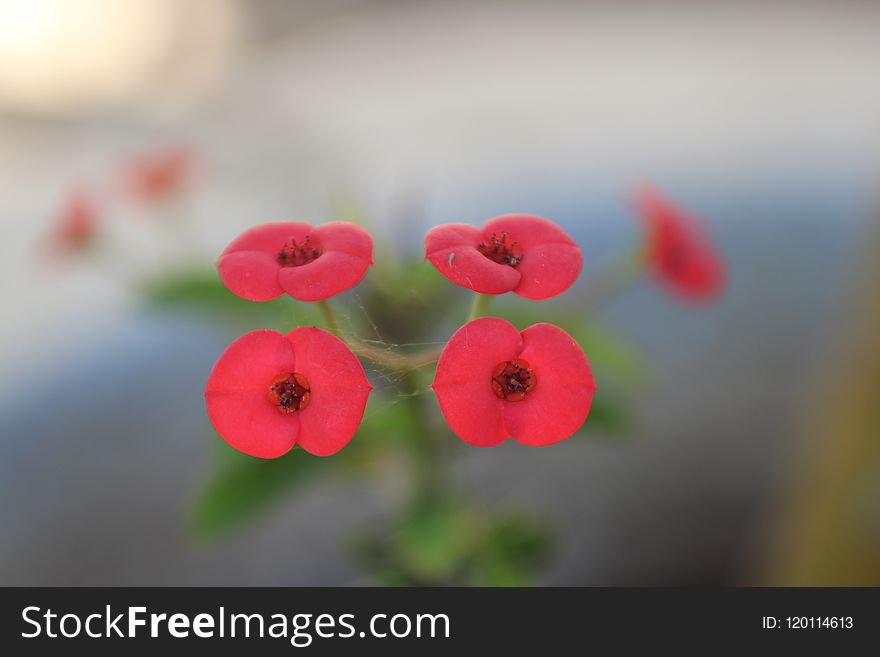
x=269 y=238
x=528 y=229
x=548 y=270
x=469 y=268
x=551 y=259
x=251 y=424
x=153 y=176
x=452 y=249
x=451 y=236
x=251 y=275
x=338 y=390
x=463 y=379
x=682 y=258
x=346 y=237
x=700 y=277
x=78 y=224
x=560 y=401
x=473 y=412
x=249 y=266
x=333 y=272
x=237 y=400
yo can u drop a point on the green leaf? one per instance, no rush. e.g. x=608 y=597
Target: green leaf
x=420 y=298
x=377 y=559
x=201 y=286
x=196 y=289
x=387 y=416
x=432 y=542
x=434 y=538
x=609 y=354
x=387 y=424
x=516 y=547
x=244 y=487
x=607 y=417
x=409 y=277
x=201 y=291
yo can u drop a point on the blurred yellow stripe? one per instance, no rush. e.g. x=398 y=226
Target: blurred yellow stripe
x=829 y=524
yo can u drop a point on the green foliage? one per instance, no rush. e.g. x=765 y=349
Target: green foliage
x=200 y=291
x=244 y=486
x=388 y=418
x=434 y=538
x=607 y=417
x=421 y=299
x=516 y=546
x=441 y=540
x=387 y=423
x=610 y=355
x=197 y=290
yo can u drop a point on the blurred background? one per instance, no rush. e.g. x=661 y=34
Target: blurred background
x=745 y=445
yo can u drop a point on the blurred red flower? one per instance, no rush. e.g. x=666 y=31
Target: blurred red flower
x=270 y=391
x=156 y=175
x=493 y=381
x=77 y=224
x=520 y=253
x=308 y=263
x=679 y=254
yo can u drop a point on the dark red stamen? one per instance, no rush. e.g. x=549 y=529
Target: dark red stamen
x=290 y=392
x=512 y=380
x=502 y=251
x=293 y=254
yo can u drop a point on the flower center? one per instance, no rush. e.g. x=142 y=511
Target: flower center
x=504 y=251
x=512 y=380
x=294 y=254
x=289 y=392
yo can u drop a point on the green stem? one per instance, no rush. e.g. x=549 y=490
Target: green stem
x=329 y=316
x=380 y=357
x=425 y=453
x=427 y=466
x=480 y=305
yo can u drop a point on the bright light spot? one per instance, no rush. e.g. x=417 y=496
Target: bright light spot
x=68 y=54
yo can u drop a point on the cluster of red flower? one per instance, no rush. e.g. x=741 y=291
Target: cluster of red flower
x=150 y=178
x=270 y=391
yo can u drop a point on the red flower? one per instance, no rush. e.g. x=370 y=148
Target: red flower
x=269 y=391
x=309 y=263
x=678 y=252
x=520 y=253
x=155 y=176
x=77 y=225
x=493 y=382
